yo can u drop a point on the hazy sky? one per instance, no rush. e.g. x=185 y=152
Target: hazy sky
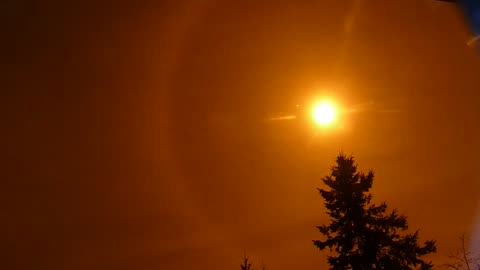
x=135 y=140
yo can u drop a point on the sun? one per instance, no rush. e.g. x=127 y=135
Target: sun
x=324 y=114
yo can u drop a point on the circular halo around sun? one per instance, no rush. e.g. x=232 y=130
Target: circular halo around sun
x=324 y=114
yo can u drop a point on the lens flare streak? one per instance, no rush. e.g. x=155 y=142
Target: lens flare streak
x=280 y=118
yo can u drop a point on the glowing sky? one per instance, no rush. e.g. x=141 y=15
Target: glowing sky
x=135 y=136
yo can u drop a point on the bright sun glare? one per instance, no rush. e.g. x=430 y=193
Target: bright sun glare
x=323 y=114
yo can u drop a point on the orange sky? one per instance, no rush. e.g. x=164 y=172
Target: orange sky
x=138 y=140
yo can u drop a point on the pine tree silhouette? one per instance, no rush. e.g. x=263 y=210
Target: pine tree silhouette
x=246 y=265
x=363 y=235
